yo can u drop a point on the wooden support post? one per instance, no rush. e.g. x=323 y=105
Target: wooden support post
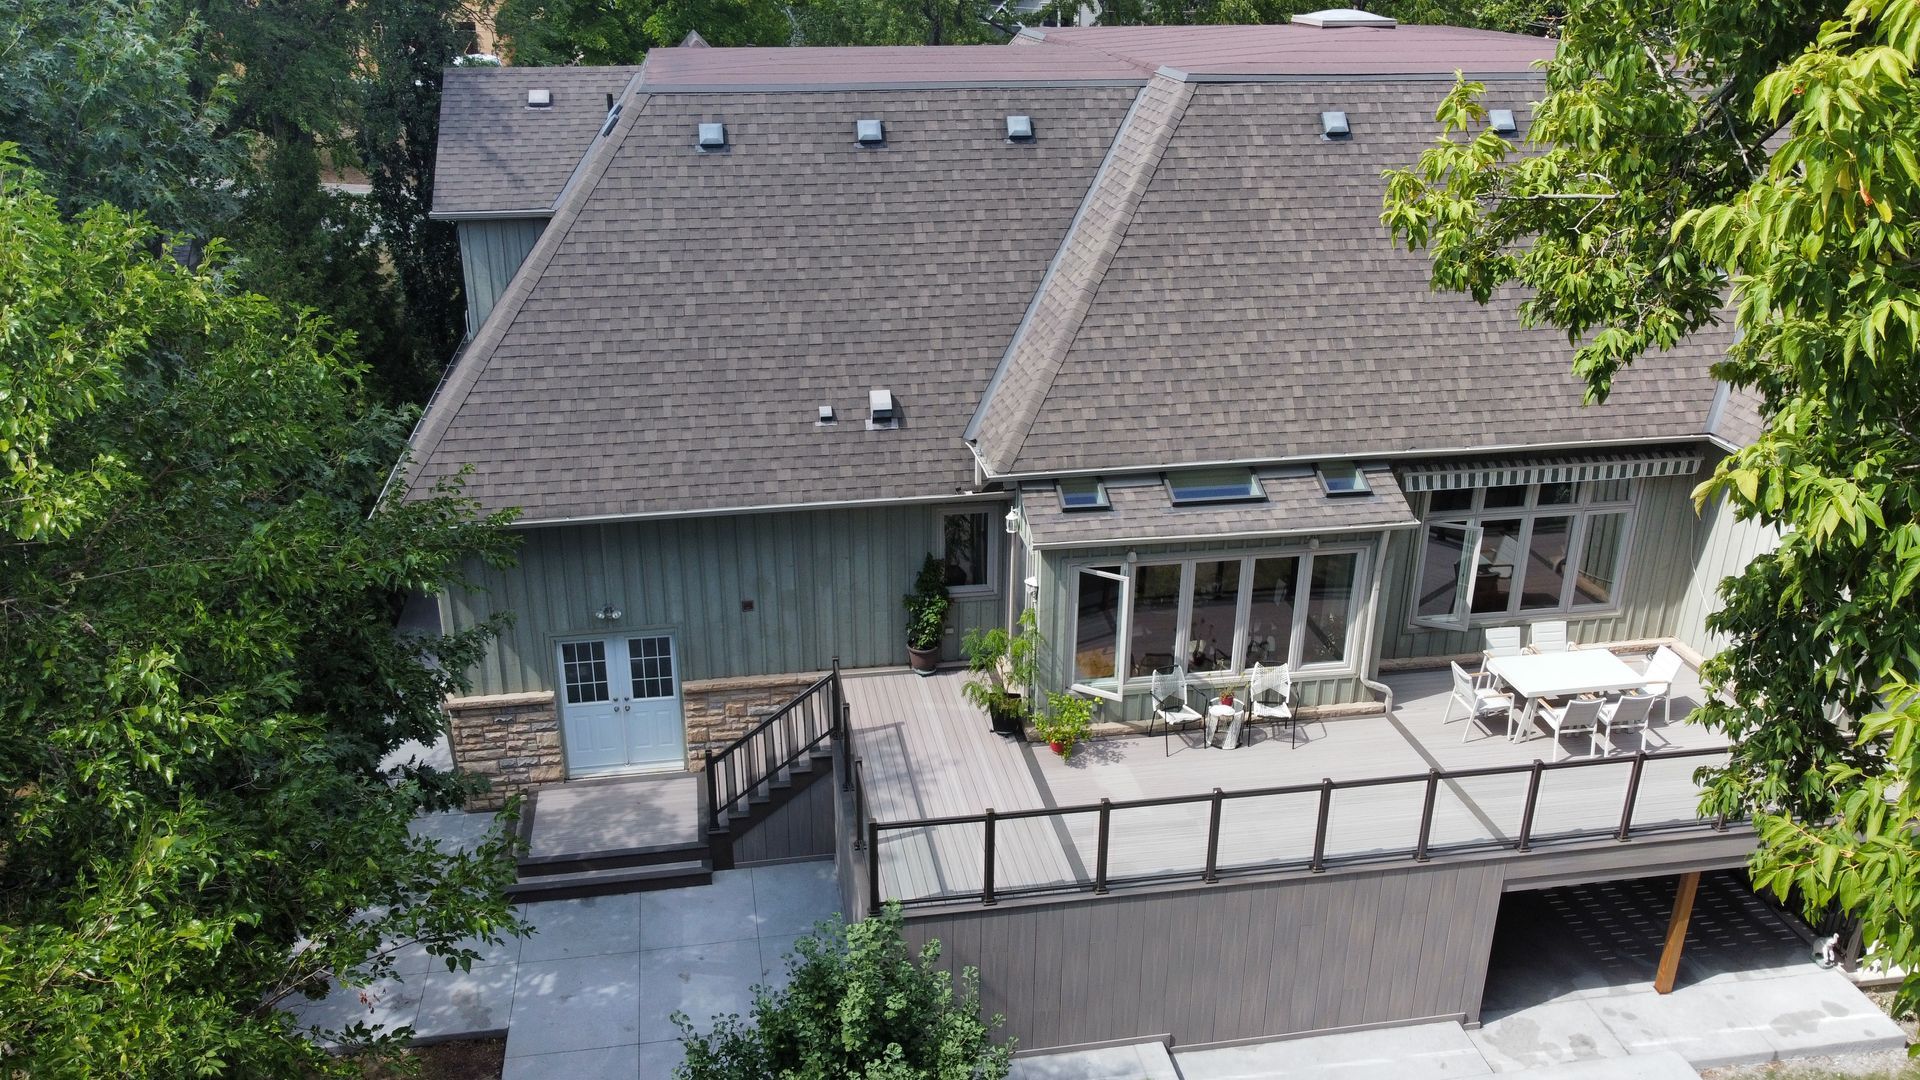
x=1676 y=934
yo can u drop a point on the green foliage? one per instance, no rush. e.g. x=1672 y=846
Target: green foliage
x=200 y=674
x=900 y=22
x=1008 y=661
x=927 y=605
x=1068 y=719
x=107 y=100
x=1518 y=16
x=594 y=32
x=1771 y=150
x=859 y=1003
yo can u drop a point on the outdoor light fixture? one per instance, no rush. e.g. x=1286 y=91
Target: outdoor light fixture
x=608 y=613
x=1013 y=521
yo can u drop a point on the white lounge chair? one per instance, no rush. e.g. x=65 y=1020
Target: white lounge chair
x=1170 y=705
x=1482 y=702
x=1625 y=716
x=1548 y=637
x=1661 y=671
x=1270 y=697
x=1581 y=716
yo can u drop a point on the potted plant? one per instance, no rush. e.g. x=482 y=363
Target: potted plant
x=1007 y=665
x=1069 y=718
x=927 y=615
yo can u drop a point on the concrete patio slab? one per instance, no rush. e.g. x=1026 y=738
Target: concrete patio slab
x=1137 y=1061
x=1660 y=1066
x=702 y=981
x=722 y=911
x=579 y=1003
x=788 y=899
x=584 y=927
x=1417 y=1052
x=465 y=1002
x=604 y=1063
x=384 y=1003
x=1556 y=1033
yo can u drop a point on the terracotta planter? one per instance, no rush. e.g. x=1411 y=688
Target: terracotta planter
x=1058 y=748
x=924 y=661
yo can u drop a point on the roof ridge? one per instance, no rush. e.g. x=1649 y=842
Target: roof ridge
x=472 y=363
x=1019 y=387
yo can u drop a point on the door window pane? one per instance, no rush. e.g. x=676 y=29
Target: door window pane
x=1216 y=601
x=1600 y=559
x=1156 y=617
x=1329 y=609
x=1493 y=579
x=651 y=660
x=1546 y=571
x=1270 y=619
x=1096 y=628
x=967 y=549
x=584 y=671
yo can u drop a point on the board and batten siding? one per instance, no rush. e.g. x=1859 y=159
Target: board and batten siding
x=1727 y=546
x=1664 y=543
x=823 y=583
x=490 y=253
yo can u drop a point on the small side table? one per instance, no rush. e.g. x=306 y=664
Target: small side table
x=1217 y=712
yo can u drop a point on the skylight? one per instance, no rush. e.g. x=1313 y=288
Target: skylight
x=1083 y=493
x=1213 y=485
x=1342 y=478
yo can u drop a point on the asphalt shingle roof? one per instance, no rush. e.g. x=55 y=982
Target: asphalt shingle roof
x=496 y=154
x=1141 y=511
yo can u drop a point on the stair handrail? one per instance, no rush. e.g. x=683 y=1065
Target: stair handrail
x=769 y=768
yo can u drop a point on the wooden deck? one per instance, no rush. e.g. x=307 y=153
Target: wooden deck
x=929 y=754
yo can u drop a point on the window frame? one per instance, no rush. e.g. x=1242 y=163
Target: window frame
x=1582 y=510
x=991 y=587
x=1123 y=684
x=1255 y=491
x=1100 y=499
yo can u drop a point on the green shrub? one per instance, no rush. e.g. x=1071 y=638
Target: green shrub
x=927 y=605
x=860 y=1004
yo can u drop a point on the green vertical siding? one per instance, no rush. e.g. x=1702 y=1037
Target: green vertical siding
x=1726 y=547
x=490 y=252
x=1663 y=543
x=823 y=583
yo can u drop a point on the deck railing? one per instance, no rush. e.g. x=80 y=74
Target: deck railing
x=748 y=767
x=1205 y=865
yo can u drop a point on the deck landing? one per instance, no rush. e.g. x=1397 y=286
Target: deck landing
x=630 y=813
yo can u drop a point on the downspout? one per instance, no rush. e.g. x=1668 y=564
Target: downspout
x=1376 y=629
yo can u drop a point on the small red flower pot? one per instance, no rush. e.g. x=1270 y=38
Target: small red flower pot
x=1058 y=748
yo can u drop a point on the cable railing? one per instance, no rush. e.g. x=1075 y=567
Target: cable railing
x=747 y=767
x=1452 y=821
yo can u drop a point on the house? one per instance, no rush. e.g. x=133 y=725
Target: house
x=1104 y=319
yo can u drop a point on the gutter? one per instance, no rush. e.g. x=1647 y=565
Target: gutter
x=489 y=215
x=771 y=508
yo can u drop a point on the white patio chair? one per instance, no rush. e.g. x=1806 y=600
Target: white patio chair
x=1270 y=699
x=1481 y=701
x=1627 y=715
x=1170 y=705
x=1501 y=641
x=1581 y=716
x=1546 y=637
x=1661 y=671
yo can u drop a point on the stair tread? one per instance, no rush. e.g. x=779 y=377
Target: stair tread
x=622 y=879
x=635 y=873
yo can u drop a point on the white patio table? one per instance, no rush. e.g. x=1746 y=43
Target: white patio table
x=1563 y=674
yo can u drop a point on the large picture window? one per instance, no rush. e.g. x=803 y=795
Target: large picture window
x=1489 y=554
x=1217 y=617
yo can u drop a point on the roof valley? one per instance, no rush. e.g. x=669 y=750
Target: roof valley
x=1013 y=399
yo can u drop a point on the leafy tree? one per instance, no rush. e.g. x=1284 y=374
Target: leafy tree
x=595 y=32
x=859 y=1003
x=1518 y=16
x=901 y=22
x=200 y=674
x=1768 y=151
x=102 y=98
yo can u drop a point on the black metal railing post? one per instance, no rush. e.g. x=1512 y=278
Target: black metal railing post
x=1533 y=799
x=986 y=870
x=873 y=866
x=846 y=736
x=1100 y=847
x=1426 y=816
x=1633 y=795
x=1319 y=861
x=1213 y=838
x=859 y=795
x=713 y=793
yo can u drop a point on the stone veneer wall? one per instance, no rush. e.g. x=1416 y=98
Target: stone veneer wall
x=719 y=711
x=513 y=740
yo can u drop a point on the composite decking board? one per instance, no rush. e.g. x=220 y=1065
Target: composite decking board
x=943 y=761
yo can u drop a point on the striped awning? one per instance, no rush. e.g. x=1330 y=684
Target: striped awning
x=1556 y=469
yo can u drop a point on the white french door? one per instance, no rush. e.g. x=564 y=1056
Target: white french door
x=620 y=705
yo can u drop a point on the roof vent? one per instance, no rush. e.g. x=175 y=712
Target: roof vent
x=1333 y=125
x=713 y=136
x=869 y=132
x=881 y=410
x=1501 y=121
x=539 y=98
x=826 y=415
x=613 y=117
x=1335 y=18
x=1019 y=127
